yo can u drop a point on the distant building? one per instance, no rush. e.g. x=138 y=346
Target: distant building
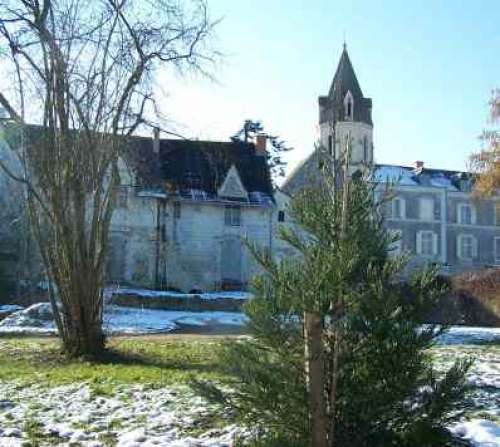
x=432 y=209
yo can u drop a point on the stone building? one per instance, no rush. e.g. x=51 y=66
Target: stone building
x=432 y=210
x=184 y=210
x=185 y=207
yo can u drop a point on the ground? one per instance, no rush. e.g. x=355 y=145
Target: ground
x=139 y=394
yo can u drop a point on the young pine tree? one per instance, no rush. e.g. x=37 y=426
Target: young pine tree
x=338 y=355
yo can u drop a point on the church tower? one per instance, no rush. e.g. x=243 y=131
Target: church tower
x=346 y=113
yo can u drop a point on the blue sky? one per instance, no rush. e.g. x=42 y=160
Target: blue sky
x=429 y=67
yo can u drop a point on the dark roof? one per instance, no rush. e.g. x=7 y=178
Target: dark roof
x=183 y=164
x=199 y=165
x=332 y=105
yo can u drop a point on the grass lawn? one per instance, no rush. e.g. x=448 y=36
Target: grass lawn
x=157 y=360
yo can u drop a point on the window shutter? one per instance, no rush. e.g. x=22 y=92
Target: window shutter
x=474 y=247
x=459 y=240
x=419 y=242
x=473 y=215
x=434 y=243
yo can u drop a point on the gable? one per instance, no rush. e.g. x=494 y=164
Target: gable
x=232 y=187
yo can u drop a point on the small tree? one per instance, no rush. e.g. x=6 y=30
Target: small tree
x=275 y=150
x=337 y=354
x=85 y=72
x=487 y=161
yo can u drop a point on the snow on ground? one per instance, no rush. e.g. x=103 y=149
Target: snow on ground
x=459 y=335
x=132 y=416
x=37 y=320
x=481 y=423
x=5 y=308
x=148 y=293
x=481 y=432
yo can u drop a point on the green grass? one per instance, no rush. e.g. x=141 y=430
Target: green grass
x=153 y=360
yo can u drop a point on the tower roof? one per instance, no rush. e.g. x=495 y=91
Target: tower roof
x=345 y=80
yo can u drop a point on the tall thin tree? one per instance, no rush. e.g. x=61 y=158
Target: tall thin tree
x=84 y=72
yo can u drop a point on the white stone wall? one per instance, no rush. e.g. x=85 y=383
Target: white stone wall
x=188 y=253
x=358 y=132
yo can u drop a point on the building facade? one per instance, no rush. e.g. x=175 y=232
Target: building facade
x=432 y=210
x=185 y=208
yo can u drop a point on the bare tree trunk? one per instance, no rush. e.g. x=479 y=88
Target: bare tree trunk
x=313 y=331
x=88 y=72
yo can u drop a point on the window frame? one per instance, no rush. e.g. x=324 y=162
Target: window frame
x=420 y=243
x=281 y=216
x=232 y=215
x=421 y=216
x=496 y=210
x=473 y=247
x=463 y=206
x=496 y=250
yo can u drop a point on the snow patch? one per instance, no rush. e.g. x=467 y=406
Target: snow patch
x=480 y=432
x=38 y=320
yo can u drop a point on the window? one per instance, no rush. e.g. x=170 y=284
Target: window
x=467 y=246
x=281 y=216
x=426 y=208
x=365 y=149
x=426 y=243
x=121 y=197
x=177 y=210
x=330 y=144
x=497 y=250
x=497 y=213
x=232 y=215
x=396 y=208
x=349 y=106
x=465 y=214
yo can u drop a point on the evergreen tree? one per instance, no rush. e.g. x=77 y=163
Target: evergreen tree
x=338 y=355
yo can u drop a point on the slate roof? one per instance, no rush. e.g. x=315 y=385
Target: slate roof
x=332 y=105
x=308 y=173
x=183 y=165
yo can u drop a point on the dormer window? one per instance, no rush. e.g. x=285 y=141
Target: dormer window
x=349 y=106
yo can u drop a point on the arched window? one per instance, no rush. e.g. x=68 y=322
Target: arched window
x=349 y=106
x=365 y=149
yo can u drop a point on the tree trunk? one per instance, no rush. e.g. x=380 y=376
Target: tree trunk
x=313 y=328
x=82 y=320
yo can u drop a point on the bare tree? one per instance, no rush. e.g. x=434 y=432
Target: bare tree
x=84 y=71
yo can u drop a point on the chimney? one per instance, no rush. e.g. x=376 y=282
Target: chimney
x=260 y=144
x=419 y=165
x=156 y=140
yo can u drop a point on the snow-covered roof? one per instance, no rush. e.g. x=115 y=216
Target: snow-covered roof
x=394 y=174
x=409 y=176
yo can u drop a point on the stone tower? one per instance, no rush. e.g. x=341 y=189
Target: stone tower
x=344 y=113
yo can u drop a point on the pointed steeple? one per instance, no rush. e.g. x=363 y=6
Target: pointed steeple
x=345 y=78
x=345 y=90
